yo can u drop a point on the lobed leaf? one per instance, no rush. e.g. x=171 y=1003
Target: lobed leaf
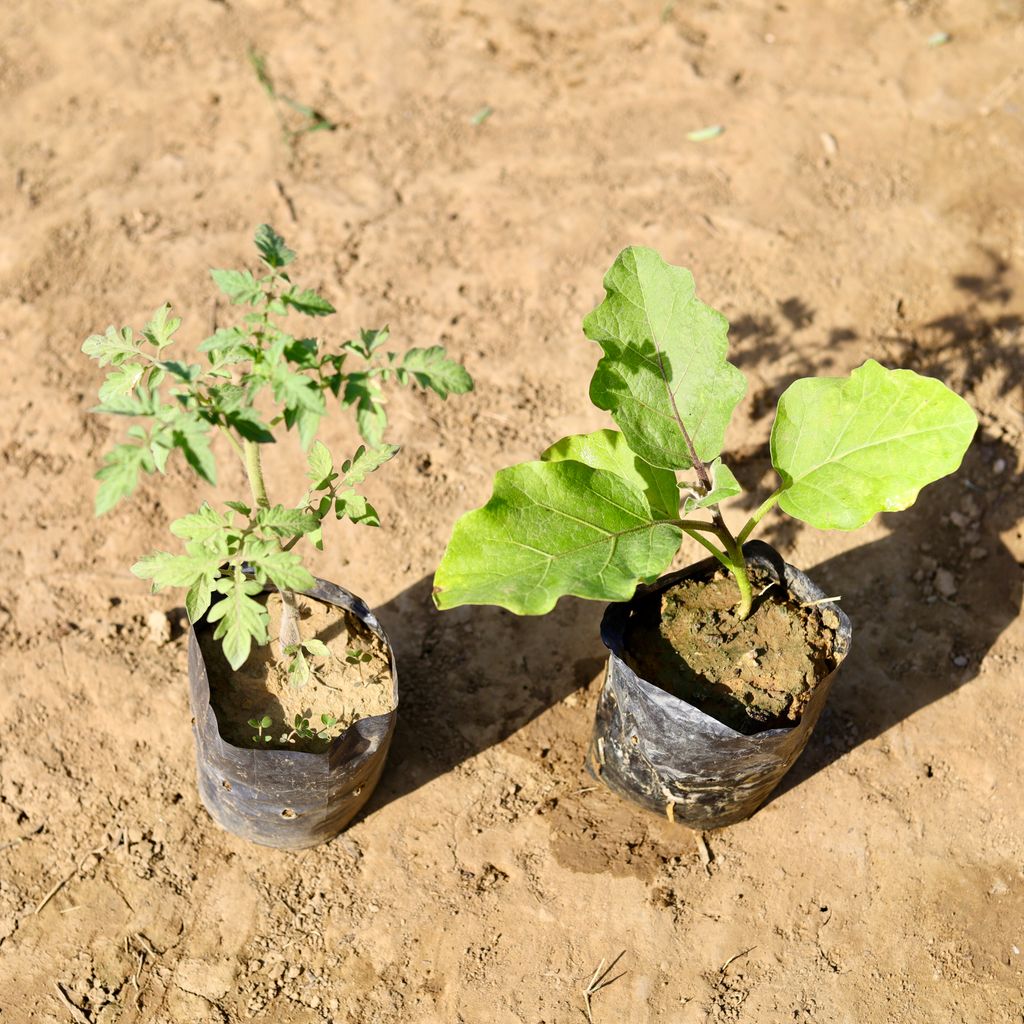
x=238 y=285
x=607 y=449
x=119 y=474
x=353 y=505
x=286 y=522
x=307 y=301
x=272 y=249
x=367 y=460
x=431 y=368
x=160 y=328
x=321 y=465
x=114 y=347
x=849 y=447
x=167 y=570
x=240 y=620
x=551 y=529
x=664 y=367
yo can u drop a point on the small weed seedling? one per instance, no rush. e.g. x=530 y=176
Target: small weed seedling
x=311 y=120
x=602 y=512
x=257 y=364
x=260 y=725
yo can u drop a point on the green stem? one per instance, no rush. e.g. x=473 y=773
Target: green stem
x=739 y=570
x=702 y=540
x=765 y=507
x=254 y=470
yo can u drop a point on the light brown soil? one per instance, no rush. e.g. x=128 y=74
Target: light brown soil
x=752 y=674
x=345 y=688
x=863 y=200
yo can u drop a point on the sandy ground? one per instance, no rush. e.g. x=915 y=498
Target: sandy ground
x=864 y=199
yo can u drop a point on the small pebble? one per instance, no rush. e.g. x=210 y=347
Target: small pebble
x=158 y=628
x=829 y=144
x=999 y=466
x=960 y=661
x=945 y=584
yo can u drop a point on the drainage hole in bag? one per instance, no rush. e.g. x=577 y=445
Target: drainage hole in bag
x=288 y=813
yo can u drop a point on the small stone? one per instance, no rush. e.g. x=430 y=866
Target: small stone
x=999 y=466
x=158 y=628
x=960 y=661
x=829 y=144
x=958 y=519
x=293 y=972
x=945 y=583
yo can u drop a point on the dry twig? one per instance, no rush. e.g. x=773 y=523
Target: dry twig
x=79 y=868
x=75 y=1011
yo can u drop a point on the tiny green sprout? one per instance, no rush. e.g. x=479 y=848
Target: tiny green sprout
x=262 y=379
x=327 y=721
x=260 y=724
x=354 y=656
x=600 y=513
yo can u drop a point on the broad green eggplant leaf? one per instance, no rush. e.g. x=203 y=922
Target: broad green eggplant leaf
x=849 y=447
x=664 y=361
x=607 y=449
x=723 y=485
x=551 y=529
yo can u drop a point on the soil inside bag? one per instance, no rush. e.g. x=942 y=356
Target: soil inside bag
x=354 y=683
x=751 y=675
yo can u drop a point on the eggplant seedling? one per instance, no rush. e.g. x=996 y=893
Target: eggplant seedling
x=255 y=364
x=600 y=513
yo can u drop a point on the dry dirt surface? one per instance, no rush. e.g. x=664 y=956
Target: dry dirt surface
x=863 y=199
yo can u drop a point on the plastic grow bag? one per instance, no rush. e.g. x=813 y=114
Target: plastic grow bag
x=289 y=799
x=659 y=751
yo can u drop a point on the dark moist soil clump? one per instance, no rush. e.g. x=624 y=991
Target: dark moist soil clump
x=752 y=675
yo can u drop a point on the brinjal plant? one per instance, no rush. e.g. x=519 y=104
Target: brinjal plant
x=600 y=513
x=259 y=382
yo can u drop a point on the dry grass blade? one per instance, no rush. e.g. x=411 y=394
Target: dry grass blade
x=599 y=980
x=74 y=1010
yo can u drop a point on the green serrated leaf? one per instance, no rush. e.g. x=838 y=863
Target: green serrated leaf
x=366 y=460
x=308 y=302
x=353 y=505
x=551 y=529
x=321 y=465
x=240 y=619
x=167 y=570
x=431 y=368
x=317 y=648
x=119 y=474
x=114 y=347
x=228 y=345
x=849 y=447
x=373 y=338
x=192 y=437
x=272 y=249
x=200 y=526
x=238 y=285
x=723 y=485
x=161 y=326
x=121 y=382
x=664 y=361
x=240 y=507
x=286 y=522
x=197 y=600
x=248 y=423
x=607 y=449
x=285 y=568
x=298 y=672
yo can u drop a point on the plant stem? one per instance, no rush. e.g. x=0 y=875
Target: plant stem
x=762 y=510
x=254 y=470
x=739 y=570
x=290 y=635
